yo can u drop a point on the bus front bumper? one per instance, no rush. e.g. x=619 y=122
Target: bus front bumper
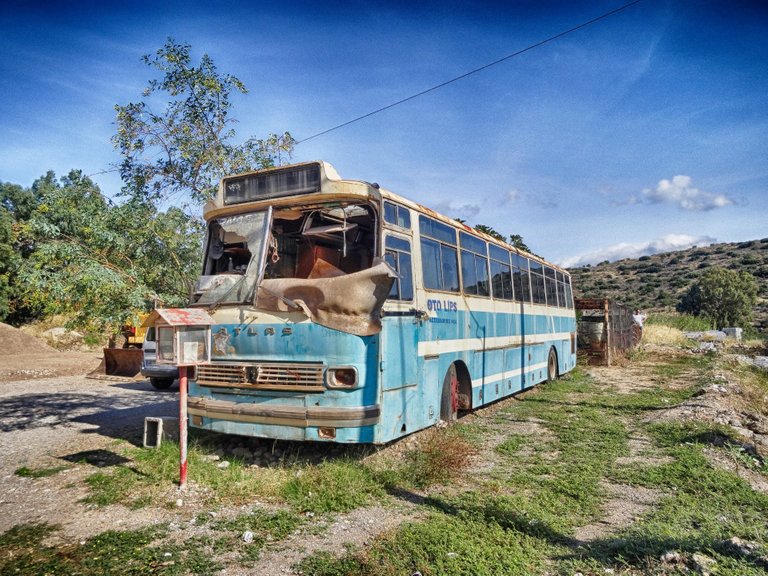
x=283 y=415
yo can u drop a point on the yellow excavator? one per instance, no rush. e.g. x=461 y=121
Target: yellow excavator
x=124 y=362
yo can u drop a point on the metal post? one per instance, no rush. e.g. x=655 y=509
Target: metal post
x=182 y=427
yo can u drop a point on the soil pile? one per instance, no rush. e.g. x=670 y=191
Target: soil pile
x=14 y=341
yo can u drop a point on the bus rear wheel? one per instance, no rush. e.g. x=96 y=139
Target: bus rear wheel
x=552 y=371
x=449 y=400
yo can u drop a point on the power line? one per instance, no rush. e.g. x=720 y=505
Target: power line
x=475 y=71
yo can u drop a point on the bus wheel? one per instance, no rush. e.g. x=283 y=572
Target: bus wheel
x=449 y=401
x=552 y=365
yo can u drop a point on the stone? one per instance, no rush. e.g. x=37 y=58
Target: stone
x=703 y=564
x=671 y=557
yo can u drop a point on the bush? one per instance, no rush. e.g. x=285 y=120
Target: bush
x=724 y=296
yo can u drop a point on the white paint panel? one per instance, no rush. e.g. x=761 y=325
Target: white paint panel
x=500 y=377
x=436 y=347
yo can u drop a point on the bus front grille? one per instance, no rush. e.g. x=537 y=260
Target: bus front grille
x=264 y=376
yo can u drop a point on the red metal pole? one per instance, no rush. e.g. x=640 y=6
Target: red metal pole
x=182 y=427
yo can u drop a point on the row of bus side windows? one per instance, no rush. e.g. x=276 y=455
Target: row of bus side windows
x=512 y=276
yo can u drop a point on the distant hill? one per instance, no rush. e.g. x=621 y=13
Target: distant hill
x=657 y=282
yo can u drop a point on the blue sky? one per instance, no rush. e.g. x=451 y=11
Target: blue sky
x=645 y=132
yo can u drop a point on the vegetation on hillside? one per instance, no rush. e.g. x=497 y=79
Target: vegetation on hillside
x=660 y=281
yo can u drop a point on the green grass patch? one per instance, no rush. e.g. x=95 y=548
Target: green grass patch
x=684 y=322
x=333 y=486
x=704 y=506
x=25 y=472
x=112 y=552
x=444 y=545
x=512 y=444
x=149 y=474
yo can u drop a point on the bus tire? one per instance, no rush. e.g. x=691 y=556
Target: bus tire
x=449 y=399
x=552 y=371
x=161 y=383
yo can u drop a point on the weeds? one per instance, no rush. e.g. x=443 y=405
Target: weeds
x=333 y=486
x=40 y=472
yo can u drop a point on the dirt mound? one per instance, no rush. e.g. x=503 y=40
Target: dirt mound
x=14 y=341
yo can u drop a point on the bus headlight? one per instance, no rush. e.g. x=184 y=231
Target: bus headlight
x=342 y=377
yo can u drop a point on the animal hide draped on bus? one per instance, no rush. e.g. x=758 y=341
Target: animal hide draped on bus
x=349 y=302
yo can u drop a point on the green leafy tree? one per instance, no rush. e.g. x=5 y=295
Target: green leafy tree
x=98 y=263
x=517 y=241
x=8 y=263
x=186 y=147
x=727 y=297
x=490 y=231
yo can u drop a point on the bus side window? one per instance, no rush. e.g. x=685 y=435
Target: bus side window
x=397 y=215
x=439 y=257
x=398 y=256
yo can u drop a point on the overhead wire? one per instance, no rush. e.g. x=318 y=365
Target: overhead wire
x=475 y=71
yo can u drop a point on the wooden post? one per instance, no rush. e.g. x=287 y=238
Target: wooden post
x=182 y=427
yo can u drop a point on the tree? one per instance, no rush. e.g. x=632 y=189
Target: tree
x=187 y=147
x=490 y=231
x=727 y=297
x=97 y=262
x=517 y=241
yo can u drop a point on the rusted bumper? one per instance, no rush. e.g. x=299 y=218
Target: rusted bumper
x=284 y=415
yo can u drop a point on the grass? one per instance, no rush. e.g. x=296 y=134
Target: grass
x=333 y=486
x=520 y=519
x=443 y=545
x=552 y=455
x=40 y=472
x=703 y=509
x=112 y=552
x=682 y=322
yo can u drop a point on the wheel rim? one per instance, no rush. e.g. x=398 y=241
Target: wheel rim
x=552 y=366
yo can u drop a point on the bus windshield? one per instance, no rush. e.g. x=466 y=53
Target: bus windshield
x=234 y=260
x=319 y=259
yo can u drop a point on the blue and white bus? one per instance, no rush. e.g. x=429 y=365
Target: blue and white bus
x=347 y=313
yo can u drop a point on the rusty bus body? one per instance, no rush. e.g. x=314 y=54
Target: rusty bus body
x=347 y=313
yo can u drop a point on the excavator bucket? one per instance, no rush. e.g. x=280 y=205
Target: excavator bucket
x=118 y=364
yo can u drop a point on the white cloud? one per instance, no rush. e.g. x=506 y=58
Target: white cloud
x=513 y=196
x=680 y=191
x=668 y=243
x=455 y=209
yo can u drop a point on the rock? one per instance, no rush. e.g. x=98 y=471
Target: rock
x=741 y=547
x=63 y=338
x=247 y=536
x=671 y=557
x=703 y=564
x=223 y=464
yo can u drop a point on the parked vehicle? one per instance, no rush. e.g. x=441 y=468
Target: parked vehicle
x=161 y=376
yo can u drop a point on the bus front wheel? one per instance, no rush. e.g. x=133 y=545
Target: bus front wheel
x=552 y=365
x=449 y=401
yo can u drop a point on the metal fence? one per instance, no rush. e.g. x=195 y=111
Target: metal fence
x=606 y=330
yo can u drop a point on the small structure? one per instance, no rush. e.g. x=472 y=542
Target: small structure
x=183 y=335
x=605 y=329
x=183 y=339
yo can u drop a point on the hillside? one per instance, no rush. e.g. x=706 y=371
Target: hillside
x=657 y=282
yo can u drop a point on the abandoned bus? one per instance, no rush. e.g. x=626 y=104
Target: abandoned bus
x=347 y=313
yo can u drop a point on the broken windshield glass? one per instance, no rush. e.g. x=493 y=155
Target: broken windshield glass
x=235 y=256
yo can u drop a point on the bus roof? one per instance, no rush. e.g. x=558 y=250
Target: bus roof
x=330 y=186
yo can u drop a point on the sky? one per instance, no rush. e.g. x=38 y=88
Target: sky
x=644 y=132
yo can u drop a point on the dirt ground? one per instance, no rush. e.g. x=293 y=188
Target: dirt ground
x=51 y=415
